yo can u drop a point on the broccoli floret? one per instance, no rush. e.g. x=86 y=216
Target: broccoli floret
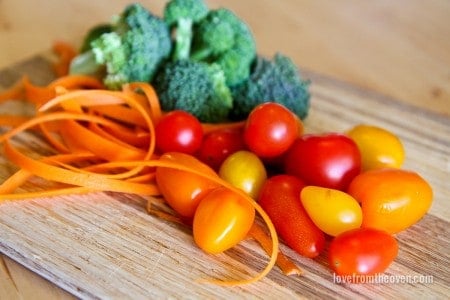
x=223 y=38
x=133 y=51
x=277 y=80
x=93 y=34
x=181 y=15
x=196 y=87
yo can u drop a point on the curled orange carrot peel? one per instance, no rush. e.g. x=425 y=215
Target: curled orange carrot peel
x=96 y=145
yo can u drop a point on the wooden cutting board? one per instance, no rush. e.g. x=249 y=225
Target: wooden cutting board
x=105 y=245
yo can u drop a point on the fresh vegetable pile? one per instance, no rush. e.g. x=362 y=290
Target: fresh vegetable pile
x=176 y=108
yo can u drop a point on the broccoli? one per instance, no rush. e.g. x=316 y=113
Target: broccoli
x=196 y=87
x=132 y=51
x=181 y=15
x=94 y=33
x=223 y=38
x=277 y=80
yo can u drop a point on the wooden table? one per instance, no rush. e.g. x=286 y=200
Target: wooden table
x=400 y=49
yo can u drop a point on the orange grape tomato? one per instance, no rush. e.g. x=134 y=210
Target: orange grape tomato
x=244 y=170
x=379 y=147
x=222 y=219
x=183 y=190
x=333 y=211
x=391 y=199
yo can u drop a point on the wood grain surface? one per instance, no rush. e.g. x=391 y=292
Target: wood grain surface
x=105 y=245
x=396 y=48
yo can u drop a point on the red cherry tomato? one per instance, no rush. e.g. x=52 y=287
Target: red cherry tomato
x=183 y=190
x=178 y=131
x=328 y=160
x=270 y=129
x=362 y=251
x=219 y=144
x=280 y=199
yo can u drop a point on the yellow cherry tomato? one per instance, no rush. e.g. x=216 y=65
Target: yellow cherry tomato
x=244 y=170
x=379 y=147
x=333 y=211
x=222 y=219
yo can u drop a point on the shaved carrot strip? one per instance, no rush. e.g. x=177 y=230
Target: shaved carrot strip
x=36 y=94
x=100 y=146
x=46 y=193
x=94 y=182
x=14 y=181
x=137 y=136
x=208 y=127
x=102 y=170
x=88 y=98
x=12 y=121
x=148 y=177
x=286 y=265
x=65 y=54
x=60 y=139
x=39 y=95
x=121 y=113
x=150 y=93
x=75 y=82
x=21 y=176
x=51 y=117
x=15 y=92
x=93 y=127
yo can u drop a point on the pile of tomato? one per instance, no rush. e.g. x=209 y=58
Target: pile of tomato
x=344 y=192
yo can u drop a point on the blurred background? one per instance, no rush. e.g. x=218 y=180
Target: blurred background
x=397 y=48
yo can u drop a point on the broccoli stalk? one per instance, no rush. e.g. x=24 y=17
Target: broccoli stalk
x=132 y=51
x=181 y=15
x=196 y=87
x=223 y=38
x=277 y=80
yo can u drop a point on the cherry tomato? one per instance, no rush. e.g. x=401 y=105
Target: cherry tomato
x=391 y=199
x=329 y=160
x=244 y=170
x=183 y=190
x=379 y=147
x=178 y=131
x=280 y=199
x=333 y=211
x=219 y=144
x=223 y=219
x=362 y=251
x=271 y=129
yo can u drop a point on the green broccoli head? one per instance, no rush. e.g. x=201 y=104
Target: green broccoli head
x=133 y=51
x=223 y=38
x=181 y=15
x=194 y=10
x=277 y=80
x=110 y=52
x=93 y=34
x=196 y=87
